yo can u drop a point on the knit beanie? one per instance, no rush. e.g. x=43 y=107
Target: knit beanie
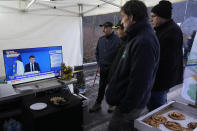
x=163 y=9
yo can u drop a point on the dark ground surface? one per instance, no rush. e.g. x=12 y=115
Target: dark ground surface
x=94 y=121
x=99 y=121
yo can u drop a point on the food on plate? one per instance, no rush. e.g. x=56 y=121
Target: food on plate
x=173 y=126
x=192 y=125
x=153 y=123
x=57 y=100
x=159 y=118
x=176 y=116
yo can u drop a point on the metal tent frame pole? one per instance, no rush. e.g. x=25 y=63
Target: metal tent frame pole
x=111 y=3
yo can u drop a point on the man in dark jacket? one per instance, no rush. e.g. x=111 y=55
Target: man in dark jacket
x=106 y=50
x=32 y=65
x=170 y=70
x=132 y=82
x=122 y=35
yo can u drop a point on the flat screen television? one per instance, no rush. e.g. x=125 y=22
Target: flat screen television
x=31 y=64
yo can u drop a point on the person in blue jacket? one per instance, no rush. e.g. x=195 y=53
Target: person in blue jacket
x=106 y=50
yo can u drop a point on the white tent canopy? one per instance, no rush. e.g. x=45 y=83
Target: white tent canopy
x=74 y=7
x=41 y=23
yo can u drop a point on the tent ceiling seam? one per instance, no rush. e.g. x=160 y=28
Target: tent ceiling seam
x=54 y=7
x=111 y=3
x=97 y=6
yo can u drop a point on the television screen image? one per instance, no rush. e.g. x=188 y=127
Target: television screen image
x=30 y=64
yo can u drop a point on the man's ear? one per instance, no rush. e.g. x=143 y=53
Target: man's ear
x=131 y=19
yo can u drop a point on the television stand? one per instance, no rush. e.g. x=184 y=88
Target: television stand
x=48 y=119
x=42 y=85
x=32 y=88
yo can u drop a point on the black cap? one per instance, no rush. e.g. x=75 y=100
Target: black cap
x=118 y=26
x=106 y=24
x=163 y=9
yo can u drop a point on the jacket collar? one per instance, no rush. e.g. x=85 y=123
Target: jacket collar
x=109 y=36
x=136 y=28
x=164 y=25
x=124 y=38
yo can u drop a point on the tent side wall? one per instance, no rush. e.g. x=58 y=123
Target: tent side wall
x=30 y=30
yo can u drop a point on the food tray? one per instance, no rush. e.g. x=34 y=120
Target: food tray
x=189 y=112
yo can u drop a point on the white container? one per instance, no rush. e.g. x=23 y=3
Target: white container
x=173 y=106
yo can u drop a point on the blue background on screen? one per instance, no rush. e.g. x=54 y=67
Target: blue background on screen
x=9 y=65
x=42 y=57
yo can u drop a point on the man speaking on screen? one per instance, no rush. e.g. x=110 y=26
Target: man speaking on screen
x=32 y=65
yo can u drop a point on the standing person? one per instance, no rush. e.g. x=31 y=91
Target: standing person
x=132 y=82
x=32 y=65
x=170 y=70
x=106 y=50
x=122 y=35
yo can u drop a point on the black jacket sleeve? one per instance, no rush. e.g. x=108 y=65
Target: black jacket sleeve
x=27 y=68
x=37 y=66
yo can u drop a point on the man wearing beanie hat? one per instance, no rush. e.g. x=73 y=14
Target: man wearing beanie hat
x=170 y=70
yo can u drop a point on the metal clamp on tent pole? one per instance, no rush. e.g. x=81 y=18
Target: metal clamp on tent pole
x=98 y=6
x=57 y=8
x=80 y=9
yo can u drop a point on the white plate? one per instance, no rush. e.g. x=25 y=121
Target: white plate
x=38 y=106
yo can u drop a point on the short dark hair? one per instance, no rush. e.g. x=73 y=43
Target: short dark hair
x=31 y=56
x=135 y=8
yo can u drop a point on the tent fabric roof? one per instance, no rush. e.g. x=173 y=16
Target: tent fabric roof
x=73 y=7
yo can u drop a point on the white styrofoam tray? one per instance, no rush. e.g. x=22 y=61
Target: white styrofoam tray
x=189 y=112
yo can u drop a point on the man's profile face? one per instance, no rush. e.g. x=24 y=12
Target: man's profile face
x=154 y=19
x=120 y=32
x=32 y=60
x=107 y=30
x=126 y=20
